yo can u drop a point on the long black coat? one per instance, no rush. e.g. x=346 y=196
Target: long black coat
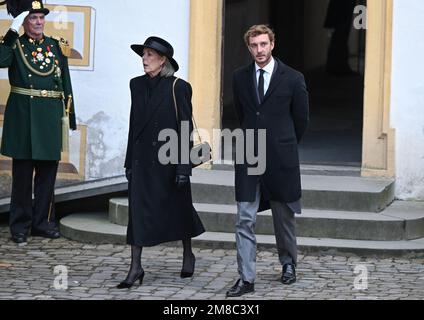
x=158 y=211
x=284 y=114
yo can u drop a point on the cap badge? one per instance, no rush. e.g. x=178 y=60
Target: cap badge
x=36 y=5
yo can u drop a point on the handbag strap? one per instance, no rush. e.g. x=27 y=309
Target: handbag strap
x=176 y=110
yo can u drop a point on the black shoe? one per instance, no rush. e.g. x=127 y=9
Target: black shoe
x=240 y=288
x=188 y=273
x=19 y=238
x=289 y=274
x=50 y=234
x=127 y=285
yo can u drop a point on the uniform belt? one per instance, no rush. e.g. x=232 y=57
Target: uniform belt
x=38 y=93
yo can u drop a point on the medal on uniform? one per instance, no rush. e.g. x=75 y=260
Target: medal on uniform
x=45 y=58
x=58 y=72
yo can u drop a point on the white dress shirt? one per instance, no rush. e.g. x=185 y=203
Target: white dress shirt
x=269 y=69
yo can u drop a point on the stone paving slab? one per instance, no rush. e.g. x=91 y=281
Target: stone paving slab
x=27 y=273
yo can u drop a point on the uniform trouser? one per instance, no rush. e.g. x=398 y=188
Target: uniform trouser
x=285 y=234
x=23 y=213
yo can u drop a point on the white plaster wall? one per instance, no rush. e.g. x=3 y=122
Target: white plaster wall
x=102 y=96
x=408 y=97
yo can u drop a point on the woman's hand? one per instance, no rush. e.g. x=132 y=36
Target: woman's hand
x=181 y=181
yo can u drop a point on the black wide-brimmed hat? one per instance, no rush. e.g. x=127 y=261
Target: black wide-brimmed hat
x=159 y=45
x=16 y=7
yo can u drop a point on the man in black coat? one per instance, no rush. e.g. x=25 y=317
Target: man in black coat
x=271 y=96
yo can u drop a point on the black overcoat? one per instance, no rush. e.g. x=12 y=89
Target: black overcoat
x=158 y=211
x=284 y=114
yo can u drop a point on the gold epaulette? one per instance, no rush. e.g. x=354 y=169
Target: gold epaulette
x=64 y=47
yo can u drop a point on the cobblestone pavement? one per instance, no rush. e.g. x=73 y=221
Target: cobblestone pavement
x=27 y=273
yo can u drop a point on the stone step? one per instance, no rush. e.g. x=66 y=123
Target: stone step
x=96 y=228
x=401 y=221
x=91 y=192
x=305 y=169
x=342 y=193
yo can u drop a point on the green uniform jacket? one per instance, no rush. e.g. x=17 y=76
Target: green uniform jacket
x=32 y=125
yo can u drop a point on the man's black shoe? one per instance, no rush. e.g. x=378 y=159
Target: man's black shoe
x=51 y=234
x=240 y=288
x=289 y=274
x=19 y=238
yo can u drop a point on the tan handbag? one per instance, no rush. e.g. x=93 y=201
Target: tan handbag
x=202 y=150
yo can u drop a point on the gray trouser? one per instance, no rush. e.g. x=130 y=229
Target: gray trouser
x=285 y=234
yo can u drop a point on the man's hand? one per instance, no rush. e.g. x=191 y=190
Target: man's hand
x=181 y=181
x=128 y=174
x=18 y=21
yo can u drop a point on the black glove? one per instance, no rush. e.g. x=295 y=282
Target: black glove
x=128 y=173
x=181 y=181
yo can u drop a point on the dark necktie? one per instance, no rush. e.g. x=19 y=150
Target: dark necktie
x=261 y=85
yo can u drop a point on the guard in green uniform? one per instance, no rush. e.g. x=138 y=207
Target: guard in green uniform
x=39 y=107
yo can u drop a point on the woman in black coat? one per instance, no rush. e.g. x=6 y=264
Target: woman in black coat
x=160 y=203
